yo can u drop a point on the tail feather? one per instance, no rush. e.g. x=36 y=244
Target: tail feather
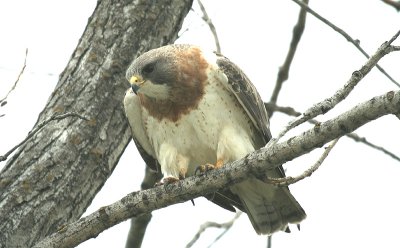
x=269 y=208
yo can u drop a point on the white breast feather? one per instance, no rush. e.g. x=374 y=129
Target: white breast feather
x=219 y=127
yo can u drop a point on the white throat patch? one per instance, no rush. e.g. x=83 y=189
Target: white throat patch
x=157 y=91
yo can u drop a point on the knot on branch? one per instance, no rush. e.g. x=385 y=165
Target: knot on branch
x=357 y=75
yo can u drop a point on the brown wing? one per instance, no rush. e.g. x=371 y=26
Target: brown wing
x=251 y=101
x=247 y=95
x=134 y=115
x=148 y=159
x=249 y=98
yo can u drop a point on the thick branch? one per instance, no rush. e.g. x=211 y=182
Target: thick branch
x=255 y=164
x=292 y=112
x=53 y=177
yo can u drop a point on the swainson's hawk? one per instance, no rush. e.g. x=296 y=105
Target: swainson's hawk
x=188 y=108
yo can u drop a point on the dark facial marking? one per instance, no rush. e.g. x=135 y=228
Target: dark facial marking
x=148 y=69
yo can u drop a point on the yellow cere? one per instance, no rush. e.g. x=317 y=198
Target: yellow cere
x=136 y=80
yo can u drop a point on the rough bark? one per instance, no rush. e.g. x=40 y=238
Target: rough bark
x=52 y=178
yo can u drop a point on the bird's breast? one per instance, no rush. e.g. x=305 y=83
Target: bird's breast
x=196 y=134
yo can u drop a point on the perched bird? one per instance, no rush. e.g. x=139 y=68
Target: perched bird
x=187 y=108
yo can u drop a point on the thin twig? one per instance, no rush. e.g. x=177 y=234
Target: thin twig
x=3 y=100
x=237 y=215
x=356 y=43
x=394 y=4
x=329 y=103
x=364 y=140
x=292 y=112
x=283 y=73
x=38 y=128
x=203 y=227
x=286 y=181
x=210 y=24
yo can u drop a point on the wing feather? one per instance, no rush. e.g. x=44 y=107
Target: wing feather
x=134 y=115
x=247 y=95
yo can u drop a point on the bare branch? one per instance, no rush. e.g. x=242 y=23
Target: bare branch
x=356 y=43
x=210 y=24
x=203 y=228
x=286 y=181
x=3 y=100
x=364 y=140
x=228 y=227
x=256 y=163
x=38 y=128
x=292 y=112
x=269 y=241
x=329 y=103
x=394 y=4
x=283 y=73
x=139 y=224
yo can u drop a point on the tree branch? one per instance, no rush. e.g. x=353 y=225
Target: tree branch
x=3 y=100
x=210 y=24
x=286 y=181
x=254 y=164
x=292 y=112
x=209 y=224
x=356 y=43
x=394 y=4
x=329 y=103
x=364 y=140
x=139 y=224
x=39 y=127
x=283 y=73
x=53 y=177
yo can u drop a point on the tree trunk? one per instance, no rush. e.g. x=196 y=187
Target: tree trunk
x=54 y=176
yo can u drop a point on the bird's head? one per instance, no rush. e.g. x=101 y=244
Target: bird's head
x=153 y=73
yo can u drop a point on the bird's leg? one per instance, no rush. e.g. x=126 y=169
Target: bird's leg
x=171 y=179
x=176 y=166
x=208 y=167
x=182 y=172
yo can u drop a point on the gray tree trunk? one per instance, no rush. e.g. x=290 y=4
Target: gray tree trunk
x=53 y=177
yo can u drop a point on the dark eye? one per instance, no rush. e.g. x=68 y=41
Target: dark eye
x=149 y=68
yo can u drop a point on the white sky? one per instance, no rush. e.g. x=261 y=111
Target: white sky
x=350 y=201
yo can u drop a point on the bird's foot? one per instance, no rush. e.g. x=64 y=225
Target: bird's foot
x=167 y=180
x=204 y=168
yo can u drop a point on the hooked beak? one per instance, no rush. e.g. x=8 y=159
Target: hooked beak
x=136 y=82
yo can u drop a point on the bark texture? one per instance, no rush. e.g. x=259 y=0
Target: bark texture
x=53 y=178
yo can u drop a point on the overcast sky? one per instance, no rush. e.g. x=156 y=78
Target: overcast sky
x=351 y=201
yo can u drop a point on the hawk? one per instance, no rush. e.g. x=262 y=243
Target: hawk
x=187 y=108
